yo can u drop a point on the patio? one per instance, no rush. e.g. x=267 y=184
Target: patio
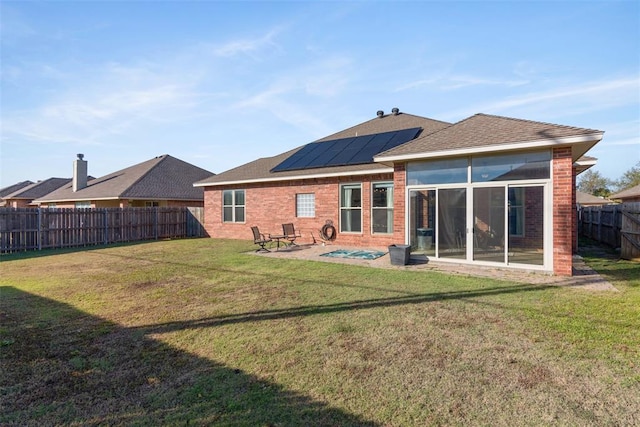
x=583 y=278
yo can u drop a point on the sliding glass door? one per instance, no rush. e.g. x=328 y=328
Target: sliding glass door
x=489 y=224
x=452 y=223
x=499 y=224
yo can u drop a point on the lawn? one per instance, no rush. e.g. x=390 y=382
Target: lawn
x=199 y=332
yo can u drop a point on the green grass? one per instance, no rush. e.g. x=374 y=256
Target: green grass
x=200 y=332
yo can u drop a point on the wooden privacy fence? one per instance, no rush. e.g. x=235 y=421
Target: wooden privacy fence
x=25 y=229
x=615 y=225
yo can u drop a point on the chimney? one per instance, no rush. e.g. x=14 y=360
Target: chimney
x=79 y=173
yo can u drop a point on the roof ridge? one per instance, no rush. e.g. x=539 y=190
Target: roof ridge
x=528 y=121
x=161 y=158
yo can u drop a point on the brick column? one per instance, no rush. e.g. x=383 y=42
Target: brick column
x=399 y=208
x=563 y=211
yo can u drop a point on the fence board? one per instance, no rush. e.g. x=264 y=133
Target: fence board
x=630 y=232
x=24 y=229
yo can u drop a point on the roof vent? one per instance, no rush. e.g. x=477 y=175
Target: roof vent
x=395 y=111
x=380 y=113
x=80 y=156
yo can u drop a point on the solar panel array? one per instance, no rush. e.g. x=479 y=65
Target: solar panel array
x=345 y=151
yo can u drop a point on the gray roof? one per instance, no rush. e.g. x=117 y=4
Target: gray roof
x=588 y=199
x=628 y=193
x=483 y=130
x=13 y=188
x=38 y=189
x=161 y=178
x=260 y=170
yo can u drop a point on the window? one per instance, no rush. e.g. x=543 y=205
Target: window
x=516 y=211
x=83 y=205
x=351 y=208
x=306 y=205
x=508 y=167
x=382 y=207
x=151 y=204
x=431 y=172
x=233 y=206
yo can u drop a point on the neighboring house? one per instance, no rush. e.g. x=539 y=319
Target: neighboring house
x=161 y=181
x=629 y=195
x=24 y=197
x=487 y=190
x=586 y=199
x=12 y=189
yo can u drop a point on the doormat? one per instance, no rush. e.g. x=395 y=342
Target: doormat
x=355 y=254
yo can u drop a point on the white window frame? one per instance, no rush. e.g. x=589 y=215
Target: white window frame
x=343 y=208
x=305 y=205
x=234 y=206
x=83 y=204
x=389 y=207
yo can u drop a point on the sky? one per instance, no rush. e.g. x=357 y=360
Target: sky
x=219 y=84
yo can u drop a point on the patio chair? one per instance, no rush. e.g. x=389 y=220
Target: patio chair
x=260 y=239
x=290 y=233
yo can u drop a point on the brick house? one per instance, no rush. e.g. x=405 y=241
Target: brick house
x=23 y=197
x=162 y=181
x=487 y=190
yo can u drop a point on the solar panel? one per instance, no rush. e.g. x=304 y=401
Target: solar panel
x=345 y=151
x=334 y=149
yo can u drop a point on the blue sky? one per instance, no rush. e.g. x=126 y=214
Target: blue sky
x=219 y=84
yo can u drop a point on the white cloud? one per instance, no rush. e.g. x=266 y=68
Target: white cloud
x=458 y=82
x=560 y=101
x=247 y=46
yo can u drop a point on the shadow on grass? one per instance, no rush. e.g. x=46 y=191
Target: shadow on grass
x=311 y=310
x=61 y=366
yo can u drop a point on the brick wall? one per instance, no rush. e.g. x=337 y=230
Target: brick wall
x=269 y=205
x=563 y=211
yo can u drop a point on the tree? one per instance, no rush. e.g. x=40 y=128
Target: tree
x=629 y=179
x=592 y=182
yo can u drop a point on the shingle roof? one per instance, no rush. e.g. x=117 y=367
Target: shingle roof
x=629 y=192
x=387 y=123
x=588 y=199
x=161 y=178
x=483 y=130
x=260 y=169
x=13 y=188
x=38 y=189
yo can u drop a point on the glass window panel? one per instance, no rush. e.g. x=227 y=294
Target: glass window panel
x=227 y=214
x=507 y=167
x=438 y=171
x=227 y=197
x=383 y=221
x=351 y=208
x=239 y=197
x=526 y=225
x=239 y=214
x=452 y=223
x=233 y=205
x=382 y=207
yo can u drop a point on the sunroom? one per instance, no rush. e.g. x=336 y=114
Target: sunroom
x=488 y=209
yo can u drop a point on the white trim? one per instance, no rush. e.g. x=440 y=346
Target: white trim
x=495 y=148
x=297 y=177
x=371 y=207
